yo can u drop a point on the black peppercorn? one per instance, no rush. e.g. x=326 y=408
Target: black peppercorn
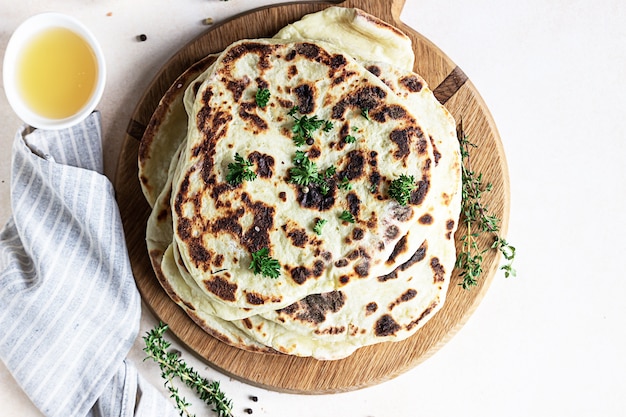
x=248 y=410
x=142 y=37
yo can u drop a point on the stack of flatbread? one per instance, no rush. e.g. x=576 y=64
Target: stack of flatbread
x=355 y=266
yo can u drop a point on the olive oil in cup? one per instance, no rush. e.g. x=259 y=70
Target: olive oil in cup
x=54 y=71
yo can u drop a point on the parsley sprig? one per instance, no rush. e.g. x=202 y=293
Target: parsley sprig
x=318 y=226
x=304 y=172
x=240 y=171
x=172 y=366
x=400 y=188
x=346 y=216
x=263 y=264
x=262 y=97
x=304 y=126
x=478 y=220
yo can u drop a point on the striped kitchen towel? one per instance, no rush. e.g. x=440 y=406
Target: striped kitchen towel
x=69 y=308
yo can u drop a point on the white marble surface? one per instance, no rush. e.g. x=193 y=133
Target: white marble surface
x=550 y=342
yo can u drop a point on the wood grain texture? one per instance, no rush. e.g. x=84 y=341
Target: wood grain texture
x=369 y=365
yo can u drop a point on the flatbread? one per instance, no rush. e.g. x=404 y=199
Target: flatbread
x=361 y=35
x=331 y=315
x=165 y=132
x=217 y=226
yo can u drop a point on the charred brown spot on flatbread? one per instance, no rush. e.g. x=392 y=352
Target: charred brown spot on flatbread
x=357 y=233
x=264 y=164
x=418 y=256
x=395 y=112
x=314 y=198
x=436 y=153
x=305 y=98
x=406 y=296
x=298 y=237
x=391 y=232
x=300 y=274
x=449 y=227
x=354 y=168
x=422 y=316
x=386 y=326
x=426 y=219
x=341 y=263
x=262 y=50
x=354 y=204
x=412 y=83
x=438 y=270
x=331 y=330
x=237 y=87
x=248 y=113
x=221 y=287
x=419 y=193
x=374 y=69
x=257 y=236
x=367 y=97
x=400 y=248
x=314 y=308
x=371 y=308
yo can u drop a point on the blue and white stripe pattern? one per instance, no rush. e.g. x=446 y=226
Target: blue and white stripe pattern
x=69 y=308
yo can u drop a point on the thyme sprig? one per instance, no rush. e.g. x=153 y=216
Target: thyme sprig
x=478 y=220
x=172 y=366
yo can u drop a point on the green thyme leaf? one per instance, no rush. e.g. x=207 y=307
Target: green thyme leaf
x=400 y=188
x=262 y=97
x=318 y=226
x=264 y=265
x=346 y=216
x=240 y=171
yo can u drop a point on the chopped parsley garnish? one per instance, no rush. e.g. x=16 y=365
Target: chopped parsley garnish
x=305 y=172
x=330 y=171
x=264 y=265
x=346 y=216
x=262 y=97
x=318 y=226
x=365 y=112
x=328 y=126
x=305 y=126
x=350 y=139
x=239 y=171
x=400 y=189
x=345 y=184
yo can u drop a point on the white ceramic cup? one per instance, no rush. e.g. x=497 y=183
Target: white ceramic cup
x=20 y=38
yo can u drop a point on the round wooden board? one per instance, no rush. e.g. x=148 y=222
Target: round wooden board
x=369 y=365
